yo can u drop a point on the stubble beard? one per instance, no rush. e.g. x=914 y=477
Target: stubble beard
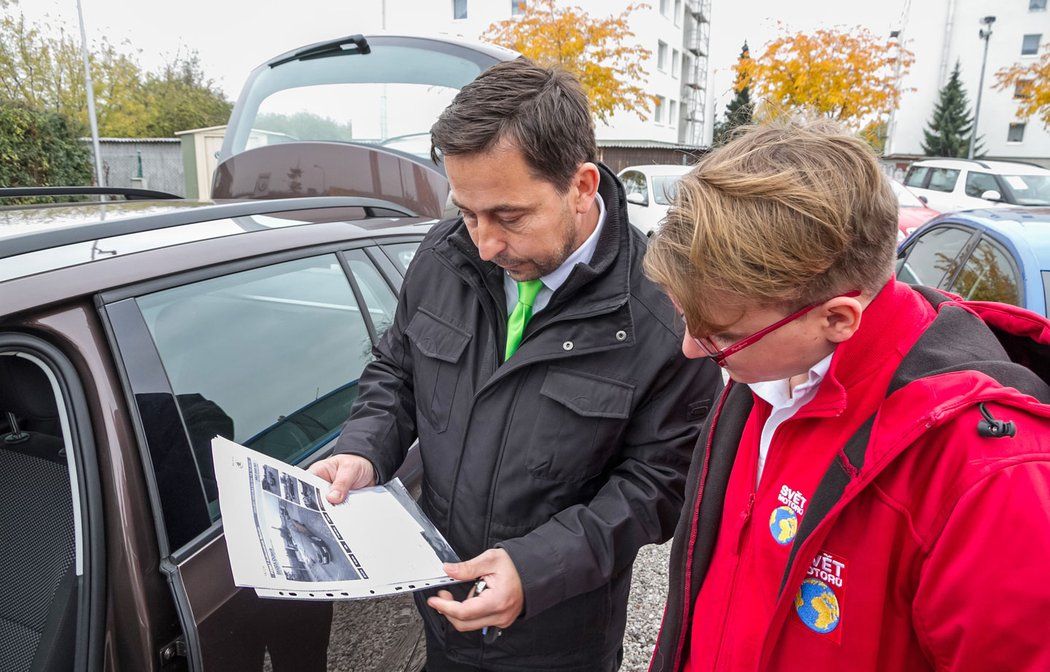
x=547 y=265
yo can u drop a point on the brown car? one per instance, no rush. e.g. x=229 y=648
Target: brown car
x=133 y=331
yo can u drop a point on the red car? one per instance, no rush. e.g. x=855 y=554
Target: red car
x=912 y=211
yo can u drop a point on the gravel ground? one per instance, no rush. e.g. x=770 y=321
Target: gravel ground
x=397 y=645
x=646 y=607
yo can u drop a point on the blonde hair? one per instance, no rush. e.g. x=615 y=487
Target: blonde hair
x=785 y=215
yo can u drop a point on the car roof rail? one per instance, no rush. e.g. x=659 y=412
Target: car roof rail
x=1027 y=163
x=980 y=163
x=127 y=192
x=35 y=241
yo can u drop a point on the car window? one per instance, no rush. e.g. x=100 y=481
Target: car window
x=634 y=183
x=1046 y=292
x=916 y=176
x=401 y=254
x=664 y=187
x=269 y=357
x=932 y=258
x=1028 y=189
x=389 y=96
x=379 y=299
x=942 y=179
x=978 y=183
x=988 y=275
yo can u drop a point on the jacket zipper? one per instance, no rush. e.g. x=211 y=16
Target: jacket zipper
x=688 y=559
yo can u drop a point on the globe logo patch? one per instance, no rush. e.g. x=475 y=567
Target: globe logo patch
x=783 y=525
x=817 y=606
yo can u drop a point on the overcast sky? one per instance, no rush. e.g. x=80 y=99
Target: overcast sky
x=234 y=36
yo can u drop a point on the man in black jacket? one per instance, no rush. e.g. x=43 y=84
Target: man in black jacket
x=544 y=378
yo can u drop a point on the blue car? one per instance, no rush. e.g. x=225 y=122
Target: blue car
x=983 y=255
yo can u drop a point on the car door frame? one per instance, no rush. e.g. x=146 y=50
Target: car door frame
x=86 y=492
x=203 y=558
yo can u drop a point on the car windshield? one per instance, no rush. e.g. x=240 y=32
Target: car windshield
x=387 y=94
x=664 y=187
x=905 y=198
x=1028 y=189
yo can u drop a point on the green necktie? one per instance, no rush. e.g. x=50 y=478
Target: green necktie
x=527 y=292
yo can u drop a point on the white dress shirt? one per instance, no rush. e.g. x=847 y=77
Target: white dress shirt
x=775 y=393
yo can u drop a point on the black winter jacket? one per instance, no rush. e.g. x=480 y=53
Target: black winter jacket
x=571 y=455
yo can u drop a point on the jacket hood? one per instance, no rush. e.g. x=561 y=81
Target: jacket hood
x=971 y=353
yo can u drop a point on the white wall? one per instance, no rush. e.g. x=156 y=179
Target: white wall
x=941 y=31
x=648 y=25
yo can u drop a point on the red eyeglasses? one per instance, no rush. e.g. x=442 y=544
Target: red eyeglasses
x=719 y=355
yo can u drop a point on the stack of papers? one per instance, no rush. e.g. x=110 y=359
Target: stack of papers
x=286 y=540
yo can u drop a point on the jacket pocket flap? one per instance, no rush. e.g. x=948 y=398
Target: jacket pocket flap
x=587 y=394
x=436 y=338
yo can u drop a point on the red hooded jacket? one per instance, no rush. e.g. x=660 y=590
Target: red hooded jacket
x=924 y=544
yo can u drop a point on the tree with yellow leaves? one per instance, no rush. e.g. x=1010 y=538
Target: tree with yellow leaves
x=1031 y=85
x=852 y=77
x=596 y=50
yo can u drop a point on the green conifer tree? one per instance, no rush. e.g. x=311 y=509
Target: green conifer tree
x=739 y=110
x=948 y=132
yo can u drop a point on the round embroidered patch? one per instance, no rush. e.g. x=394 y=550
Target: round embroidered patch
x=783 y=524
x=817 y=606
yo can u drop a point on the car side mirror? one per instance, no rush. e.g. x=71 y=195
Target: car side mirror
x=637 y=199
x=992 y=195
x=925 y=201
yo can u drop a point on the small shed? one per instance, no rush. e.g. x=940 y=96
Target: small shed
x=200 y=156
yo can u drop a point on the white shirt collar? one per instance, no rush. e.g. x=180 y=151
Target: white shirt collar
x=775 y=392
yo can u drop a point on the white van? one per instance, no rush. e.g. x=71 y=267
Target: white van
x=947 y=185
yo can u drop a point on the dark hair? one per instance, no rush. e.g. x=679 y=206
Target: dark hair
x=543 y=111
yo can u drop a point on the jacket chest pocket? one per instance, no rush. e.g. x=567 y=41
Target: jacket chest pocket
x=579 y=423
x=439 y=347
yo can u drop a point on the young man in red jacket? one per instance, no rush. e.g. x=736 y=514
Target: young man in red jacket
x=873 y=492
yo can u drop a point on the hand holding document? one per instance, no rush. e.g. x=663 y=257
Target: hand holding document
x=287 y=541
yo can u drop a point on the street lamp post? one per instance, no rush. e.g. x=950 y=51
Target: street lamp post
x=90 y=97
x=984 y=33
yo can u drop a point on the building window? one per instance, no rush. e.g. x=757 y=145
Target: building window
x=675 y=63
x=1037 y=5
x=661 y=55
x=663 y=6
x=1021 y=89
x=678 y=12
x=1015 y=133
x=517 y=7
x=658 y=113
x=459 y=9
x=1030 y=45
x=672 y=113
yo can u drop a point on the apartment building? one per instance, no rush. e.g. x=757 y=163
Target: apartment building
x=941 y=32
x=676 y=32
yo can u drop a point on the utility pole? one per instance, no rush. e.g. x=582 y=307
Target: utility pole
x=891 y=123
x=984 y=33
x=90 y=98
